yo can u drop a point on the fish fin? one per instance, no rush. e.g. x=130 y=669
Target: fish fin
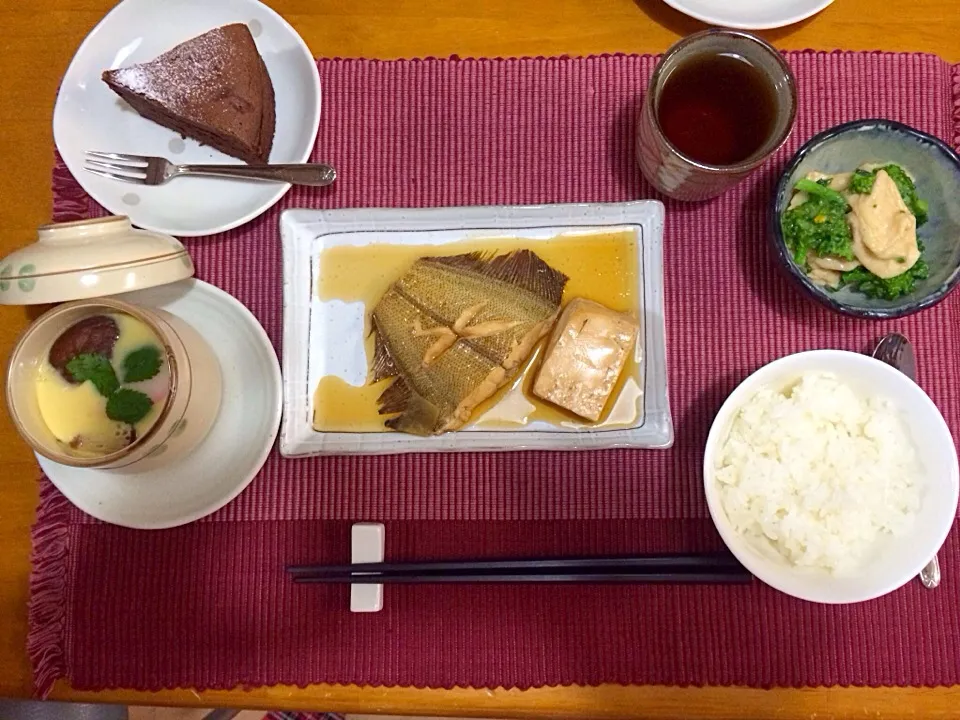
x=383 y=364
x=417 y=415
x=522 y=268
x=475 y=261
x=394 y=397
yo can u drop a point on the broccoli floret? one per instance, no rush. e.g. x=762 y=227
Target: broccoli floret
x=819 y=225
x=862 y=183
x=890 y=288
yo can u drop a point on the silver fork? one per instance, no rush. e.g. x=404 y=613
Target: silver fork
x=149 y=170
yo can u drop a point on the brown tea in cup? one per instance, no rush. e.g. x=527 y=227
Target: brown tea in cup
x=718 y=104
x=717 y=108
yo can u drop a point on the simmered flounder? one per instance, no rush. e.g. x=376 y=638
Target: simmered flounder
x=453 y=330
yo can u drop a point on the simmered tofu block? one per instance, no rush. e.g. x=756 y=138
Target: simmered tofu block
x=584 y=357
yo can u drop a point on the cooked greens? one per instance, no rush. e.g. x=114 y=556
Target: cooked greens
x=821 y=190
x=818 y=229
x=889 y=288
x=819 y=225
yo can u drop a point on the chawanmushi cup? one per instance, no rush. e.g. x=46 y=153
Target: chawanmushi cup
x=187 y=413
x=78 y=262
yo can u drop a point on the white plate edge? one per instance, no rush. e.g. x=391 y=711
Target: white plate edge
x=299 y=227
x=714 y=20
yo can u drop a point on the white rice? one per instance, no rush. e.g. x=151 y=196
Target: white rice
x=819 y=472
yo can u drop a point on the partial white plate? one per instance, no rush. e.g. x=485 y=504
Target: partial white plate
x=749 y=14
x=321 y=338
x=228 y=458
x=90 y=116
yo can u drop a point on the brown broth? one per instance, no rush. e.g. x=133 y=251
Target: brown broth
x=601 y=266
x=717 y=109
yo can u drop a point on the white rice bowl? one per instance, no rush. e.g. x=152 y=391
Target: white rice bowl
x=818 y=472
x=831 y=476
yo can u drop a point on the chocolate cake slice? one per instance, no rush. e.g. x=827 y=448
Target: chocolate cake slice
x=213 y=88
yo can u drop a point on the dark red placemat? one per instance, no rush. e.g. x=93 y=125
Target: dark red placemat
x=208 y=605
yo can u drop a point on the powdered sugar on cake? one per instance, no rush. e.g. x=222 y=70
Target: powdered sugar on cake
x=213 y=88
x=183 y=73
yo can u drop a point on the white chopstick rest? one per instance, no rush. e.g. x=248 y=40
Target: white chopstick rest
x=366 y=546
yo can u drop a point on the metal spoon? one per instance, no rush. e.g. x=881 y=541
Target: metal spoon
x=895 y=350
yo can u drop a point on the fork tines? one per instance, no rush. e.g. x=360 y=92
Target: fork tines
x=130 y=168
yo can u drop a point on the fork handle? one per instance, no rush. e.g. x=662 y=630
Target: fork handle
x=312 y=174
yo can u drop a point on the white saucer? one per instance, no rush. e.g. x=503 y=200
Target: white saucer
x=90 y=116
x=237 y=446
x=749 y=14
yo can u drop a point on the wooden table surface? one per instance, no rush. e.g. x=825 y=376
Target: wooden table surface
x=38 y=41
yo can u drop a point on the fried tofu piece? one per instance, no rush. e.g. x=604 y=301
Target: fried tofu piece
x=584 y=357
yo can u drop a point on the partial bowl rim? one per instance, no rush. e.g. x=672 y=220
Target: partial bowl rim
x=718 y=18
x=780 y=245
x=737 y=543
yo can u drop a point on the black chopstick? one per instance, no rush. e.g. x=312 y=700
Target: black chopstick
x=643 y=577
x=675 y=567
x=673 y=562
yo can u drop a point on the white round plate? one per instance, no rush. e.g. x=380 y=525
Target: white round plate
x=229 y=457
x=90 y=116
x=749 y=14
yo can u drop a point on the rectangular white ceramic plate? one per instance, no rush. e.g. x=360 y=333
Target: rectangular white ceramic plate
x=322 y=338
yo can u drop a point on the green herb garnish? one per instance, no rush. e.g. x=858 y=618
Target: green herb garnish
x=863 y=180
x=97 y=369
x=129 y=406
x=141 y=364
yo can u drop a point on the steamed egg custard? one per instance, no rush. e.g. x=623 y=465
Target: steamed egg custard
x=103 y=384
